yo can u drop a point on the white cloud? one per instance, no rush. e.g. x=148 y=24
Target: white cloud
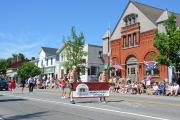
x=26 y=43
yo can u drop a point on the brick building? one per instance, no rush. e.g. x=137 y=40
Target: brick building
x=131 y=42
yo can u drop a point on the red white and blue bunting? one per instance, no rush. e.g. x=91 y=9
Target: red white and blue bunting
x=151 y=65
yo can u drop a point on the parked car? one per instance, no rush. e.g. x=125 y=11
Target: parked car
x=4 y=84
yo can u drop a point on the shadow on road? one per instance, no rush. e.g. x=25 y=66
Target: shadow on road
x=88 y=102
x=12 y=100
x=27 y=116
x=115 y=100
x=109 y=101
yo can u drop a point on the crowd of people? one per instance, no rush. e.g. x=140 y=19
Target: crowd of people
x=118 y=85
x=127 y=86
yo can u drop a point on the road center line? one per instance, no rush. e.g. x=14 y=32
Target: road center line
x=88 y=107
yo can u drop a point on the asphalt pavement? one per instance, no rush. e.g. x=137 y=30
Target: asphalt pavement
x=48 y=105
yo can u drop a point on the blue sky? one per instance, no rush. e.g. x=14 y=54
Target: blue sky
x=26 y=25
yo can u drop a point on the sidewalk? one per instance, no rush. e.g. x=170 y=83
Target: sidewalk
x=48 y=90
x=118 y=94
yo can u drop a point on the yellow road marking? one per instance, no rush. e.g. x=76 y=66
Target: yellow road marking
x=151 y=102
x=154 y=102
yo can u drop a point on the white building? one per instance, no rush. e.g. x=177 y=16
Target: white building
x=92 y=62
x=48 y=61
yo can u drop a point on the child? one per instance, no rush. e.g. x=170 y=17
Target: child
x=62 y=85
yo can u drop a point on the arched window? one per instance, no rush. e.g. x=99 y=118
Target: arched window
x=149 y=60
x=130 y=19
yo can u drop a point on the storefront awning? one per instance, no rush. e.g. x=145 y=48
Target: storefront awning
x=119 y=67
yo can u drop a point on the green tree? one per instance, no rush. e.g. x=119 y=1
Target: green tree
x=168 y=43
x=4 y=64
x=74 y=50
x=28 y=69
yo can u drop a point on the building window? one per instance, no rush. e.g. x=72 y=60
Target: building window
x=46 y=62
x=51 y=61
x=126 y=22
x=100 y=55
x=41 y=62
x=93 y=70
x=153 y=69
x=133 y=70
x=130 y=40
x=130 y=19
x=154 y=72
x=135 y=39
x=83 y=70
x=133 y=20
x=124 y=41
x=62 y=73
x=88 y=71
x=62 y=57
x=128 y=71
x=129 y=23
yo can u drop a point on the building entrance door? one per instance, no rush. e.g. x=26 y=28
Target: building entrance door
x=132 y=68
x=132 y=72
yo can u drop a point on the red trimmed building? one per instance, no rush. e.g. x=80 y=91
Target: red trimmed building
x=131 y=42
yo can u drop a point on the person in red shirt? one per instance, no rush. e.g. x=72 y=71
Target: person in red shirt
x=12 y=84
x=62 y=85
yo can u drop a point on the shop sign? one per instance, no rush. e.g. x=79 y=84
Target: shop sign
x=49 y=70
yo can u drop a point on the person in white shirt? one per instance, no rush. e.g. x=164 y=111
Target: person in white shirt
x=31 y=85
x=155 y=89
x=176 y=89
x=168 y=89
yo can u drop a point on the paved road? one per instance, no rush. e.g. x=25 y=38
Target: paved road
x=47 y=105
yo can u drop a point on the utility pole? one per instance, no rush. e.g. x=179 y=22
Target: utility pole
x=109 y=51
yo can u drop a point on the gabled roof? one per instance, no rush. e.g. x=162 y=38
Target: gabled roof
x=163 y=17
x=60 y=49
x=150 y=12
x=63 y=47
x=17 y=64
x=154 y=13
x=49 y=51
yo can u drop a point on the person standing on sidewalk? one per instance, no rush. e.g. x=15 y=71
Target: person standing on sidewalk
x=73 y=78
x=31 y=85
x=22 y=85
x=12 y=85
x=148 y=80
x=62 y=86
x=103 y=78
